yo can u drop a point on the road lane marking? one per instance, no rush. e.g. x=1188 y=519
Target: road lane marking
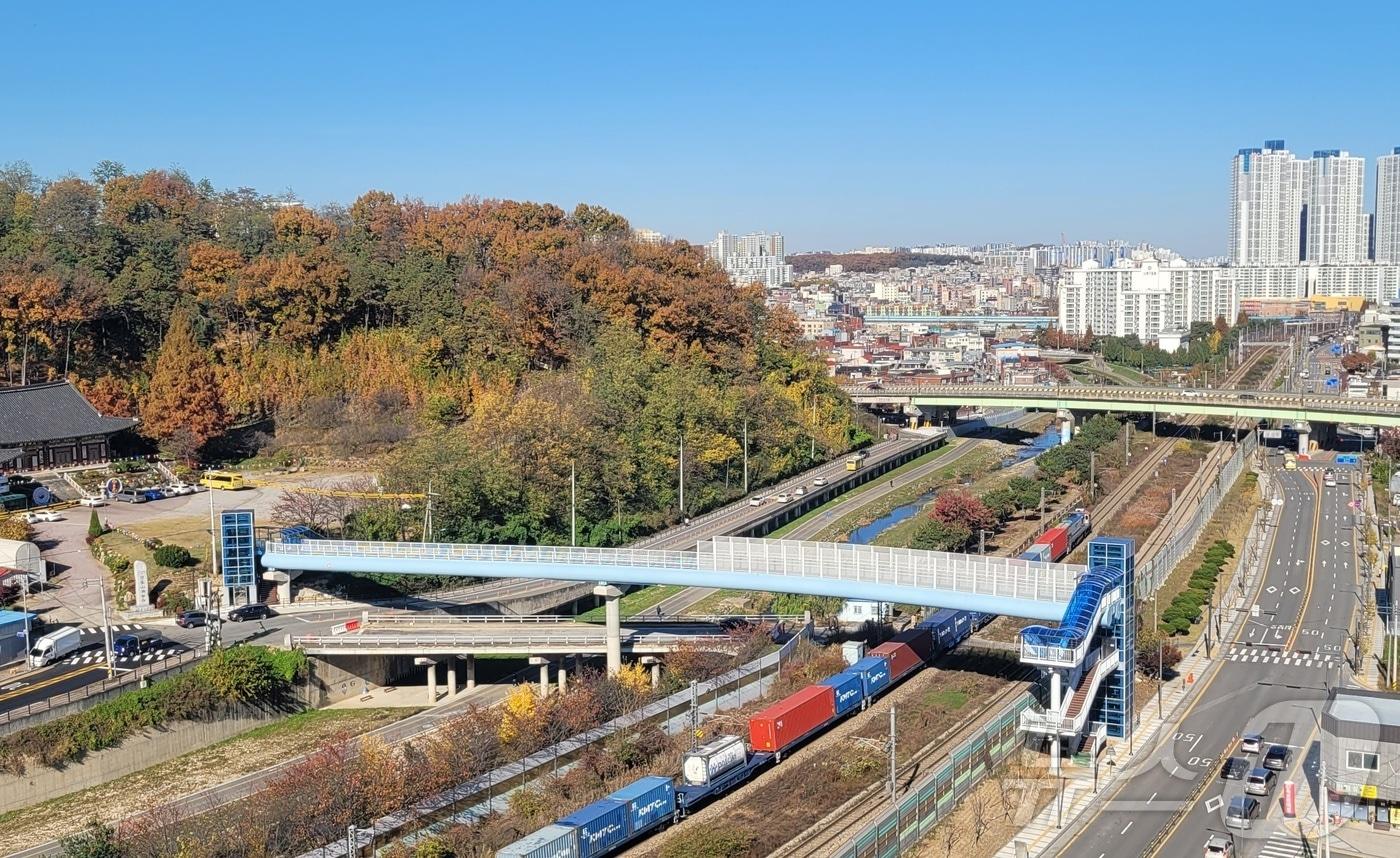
x=1126 y=827
x=1154 y=795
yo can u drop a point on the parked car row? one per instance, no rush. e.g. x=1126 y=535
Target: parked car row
x=253 y=611
x=153 y=493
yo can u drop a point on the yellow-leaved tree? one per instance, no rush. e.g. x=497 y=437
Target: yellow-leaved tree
x=519 y=708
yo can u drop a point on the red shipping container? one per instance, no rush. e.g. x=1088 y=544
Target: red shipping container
x=901 y=656
x=919 y=640
x=1058 y=540
x=786 y=722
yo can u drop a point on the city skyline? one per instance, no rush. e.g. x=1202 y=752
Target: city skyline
x=955 y=128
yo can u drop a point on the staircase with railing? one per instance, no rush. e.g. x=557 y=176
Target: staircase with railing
x=1074 y=712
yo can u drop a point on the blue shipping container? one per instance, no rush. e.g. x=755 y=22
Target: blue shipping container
x=552 y=841
x=601 y=826
x=849 y=691
x=650 y=801
x=874 y=673
x=1038 y=551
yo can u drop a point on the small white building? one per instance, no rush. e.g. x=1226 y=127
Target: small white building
x=23 y=557
x=1170 y=341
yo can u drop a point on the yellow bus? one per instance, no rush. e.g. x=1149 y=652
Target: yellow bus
x=1290 y=462
x=853 y=462
x=222 y=480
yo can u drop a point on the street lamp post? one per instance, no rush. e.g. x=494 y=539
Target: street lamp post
x=106 y=626
x=1323 y=810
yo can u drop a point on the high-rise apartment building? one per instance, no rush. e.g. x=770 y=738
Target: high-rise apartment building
x=1387 y=224
x=754 y=258
x=1268 y=188
x=1335 y=208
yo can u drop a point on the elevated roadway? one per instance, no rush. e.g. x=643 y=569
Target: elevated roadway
x=1259 y=405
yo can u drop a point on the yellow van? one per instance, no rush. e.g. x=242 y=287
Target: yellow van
x=222 y=480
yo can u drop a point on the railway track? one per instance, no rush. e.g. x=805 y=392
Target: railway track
x=830 y=834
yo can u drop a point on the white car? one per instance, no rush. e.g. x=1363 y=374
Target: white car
x=42 y=515
x=819 y=482
x=179 y=489
x=757 y=500
x=93 y=500
x=800 y=491
x=784 y=497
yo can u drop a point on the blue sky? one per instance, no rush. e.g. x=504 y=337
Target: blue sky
x=839 y=125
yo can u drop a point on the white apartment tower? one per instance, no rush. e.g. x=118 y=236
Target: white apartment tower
x=1388 y=207
x=1336 y=209
x=1268 y=189
x=753 y=258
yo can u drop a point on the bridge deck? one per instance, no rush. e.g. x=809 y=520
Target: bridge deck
x=996 y=585
x=1325 y=408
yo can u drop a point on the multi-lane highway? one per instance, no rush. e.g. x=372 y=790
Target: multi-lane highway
x=1271 y=677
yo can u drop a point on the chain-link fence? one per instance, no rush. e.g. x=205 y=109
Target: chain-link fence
x=1152 y=573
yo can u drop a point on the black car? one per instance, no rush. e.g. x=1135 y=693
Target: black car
x=130 y=646
x=1234 y=768
x=190 y=619
x=255 y=611
x=1277 y=757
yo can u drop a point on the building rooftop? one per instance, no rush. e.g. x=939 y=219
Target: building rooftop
x=49 y=412
x=1361 y=713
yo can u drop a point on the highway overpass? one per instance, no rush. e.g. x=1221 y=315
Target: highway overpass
x=1259 y=405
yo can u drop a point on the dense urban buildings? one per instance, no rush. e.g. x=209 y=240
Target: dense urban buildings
x=1335 y=208
x=757 y=257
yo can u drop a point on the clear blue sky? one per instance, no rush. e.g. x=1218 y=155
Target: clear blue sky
x=837 y=124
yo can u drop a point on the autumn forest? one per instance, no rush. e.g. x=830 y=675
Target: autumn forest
x=488 y=345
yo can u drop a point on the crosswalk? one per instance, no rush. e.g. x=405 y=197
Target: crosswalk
x=100 y=656
x=1286 y=844
x=116 y=627
x=1260 y=655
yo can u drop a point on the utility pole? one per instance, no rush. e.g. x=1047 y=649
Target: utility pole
x=893 y=764
x=1042 y=503
x=573 y=504
x=428 y=514
x=1093 y=461
x=746 y=455
x=682 y=469
x=695 y=711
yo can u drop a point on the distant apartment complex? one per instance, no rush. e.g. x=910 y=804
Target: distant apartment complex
x=1145 y=297
x=754 y=258
x=1284 y=209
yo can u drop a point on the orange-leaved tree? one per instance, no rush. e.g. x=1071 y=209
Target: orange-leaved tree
x=182 y=407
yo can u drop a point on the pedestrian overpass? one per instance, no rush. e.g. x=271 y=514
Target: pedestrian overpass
x=1089 y=650
x=1255 y=404
x=990 y=585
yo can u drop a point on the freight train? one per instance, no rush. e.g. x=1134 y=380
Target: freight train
x=1058 y=541
x=718 y=766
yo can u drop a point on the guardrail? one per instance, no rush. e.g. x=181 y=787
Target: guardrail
x=425 y=643
x=557 y=619
x=129 y=676
x=931 y=799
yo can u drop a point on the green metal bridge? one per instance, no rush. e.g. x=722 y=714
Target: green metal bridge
x=1260 y=405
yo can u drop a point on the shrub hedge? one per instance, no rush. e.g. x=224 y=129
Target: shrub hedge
x=1185 y=608
x=238 y=674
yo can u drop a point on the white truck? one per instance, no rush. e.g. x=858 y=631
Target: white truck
x=55 y=645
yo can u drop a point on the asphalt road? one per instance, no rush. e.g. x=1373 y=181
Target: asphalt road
x=1272 y=679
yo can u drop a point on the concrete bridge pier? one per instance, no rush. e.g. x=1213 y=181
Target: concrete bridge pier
x=544 y=672
x=471 y=671
x=284 y=581
x=654 y=663
x=1304 y=433
x=1066 y=419
x=431 y=664
x=563 y=677
x=613 y=615
x=451 y=678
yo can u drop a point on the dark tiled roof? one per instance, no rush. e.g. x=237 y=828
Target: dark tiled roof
x=9 y=454
x=50 y=412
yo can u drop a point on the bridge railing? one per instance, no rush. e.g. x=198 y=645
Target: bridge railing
x=488 y=553
x=422 y=642
x=1203 y=396
x=1007 y=577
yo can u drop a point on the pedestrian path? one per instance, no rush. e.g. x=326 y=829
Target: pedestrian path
x=100 y=656
x=116 y=627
